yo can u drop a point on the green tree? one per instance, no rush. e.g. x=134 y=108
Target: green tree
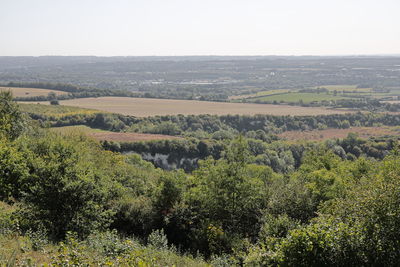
x=70 y=186
x=13 y=171
x=12 y=121
x=228 y=195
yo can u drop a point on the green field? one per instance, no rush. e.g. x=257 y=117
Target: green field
x=77 y=129
x=294 y=96
x=335 y=92
x=343 y=87
x=262 y=93
x=297 y=97
x=56 y=111
x=273 y=92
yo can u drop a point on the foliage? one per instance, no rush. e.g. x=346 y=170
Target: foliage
x=226 y=198
x=66 y=201
x=67 y=189
x=11 y=119
x=158 y=239
x=360 y=227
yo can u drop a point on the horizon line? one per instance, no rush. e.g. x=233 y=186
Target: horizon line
x=219 y=55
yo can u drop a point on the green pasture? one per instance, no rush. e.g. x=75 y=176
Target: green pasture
x=54 y=110
x=297 y=97
x=76 y=129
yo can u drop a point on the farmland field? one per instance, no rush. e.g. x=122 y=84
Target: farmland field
x=334 y=92
x=344 y=88
x=318 y=135
x=392 y=101
x=143 y=107
x=262 y=93
x=296 y=97
x=55 y=111
x=29 y=92
x=111 y=136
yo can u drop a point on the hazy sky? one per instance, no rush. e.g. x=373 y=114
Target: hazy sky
x=199 y=27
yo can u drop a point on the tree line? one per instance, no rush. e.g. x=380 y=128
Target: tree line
x=262 y=127
x=74 y=91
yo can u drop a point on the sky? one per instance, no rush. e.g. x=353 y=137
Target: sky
x=199 y=27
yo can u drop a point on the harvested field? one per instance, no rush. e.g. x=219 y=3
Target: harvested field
x=111 y=136
x=144 y=107
x=29 y=92
x=318 y=135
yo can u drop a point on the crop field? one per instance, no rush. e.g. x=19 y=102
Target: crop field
x=335 y=92
x=394 y=90
x=29 y=92
x=110 y=136
x=293 y=97
x=340 y=89
x=144 y=107
x=262 y=93
x=77 y=129
x=55 y=111
x=391 y=101
x=319 y=135
x=343 y=88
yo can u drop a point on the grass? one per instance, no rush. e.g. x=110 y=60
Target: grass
x=342 y=87
x=347 y=89
x=262 y=93
x=110 y=136
x=297 y=97
x=17 y=249
x=320 y=135
x=274 y=92
x=77 y=128
x=55 y=111
x=394 y=90
x=14 y=248
x=29 y=92
x=144 y=107
x=294 y=96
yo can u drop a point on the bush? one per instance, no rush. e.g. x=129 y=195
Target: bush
x=158 y=239
x=67 y=190
x=38 y=238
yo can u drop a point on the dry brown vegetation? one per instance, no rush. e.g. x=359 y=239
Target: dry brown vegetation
x=143 y=107
x=129 y=137
x=28 y=92
x=110 y=136
x=391 y=101
x=318 y=135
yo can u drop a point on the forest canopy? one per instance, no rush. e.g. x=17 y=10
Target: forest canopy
x=67 y=201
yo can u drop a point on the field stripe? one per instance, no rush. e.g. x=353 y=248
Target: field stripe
x=144 y=107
